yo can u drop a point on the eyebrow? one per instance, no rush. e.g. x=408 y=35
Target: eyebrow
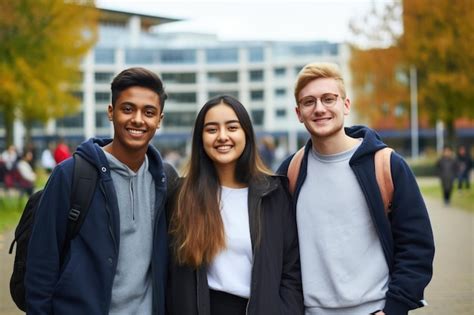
x=227 y=122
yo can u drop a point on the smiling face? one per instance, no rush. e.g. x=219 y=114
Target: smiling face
x=223 y=137
x=323 y=122
x=136 y=116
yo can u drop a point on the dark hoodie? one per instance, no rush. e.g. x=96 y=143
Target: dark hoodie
x=406 y=236
x=83 y=284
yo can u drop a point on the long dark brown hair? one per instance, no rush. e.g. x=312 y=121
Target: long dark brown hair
x=196 y=223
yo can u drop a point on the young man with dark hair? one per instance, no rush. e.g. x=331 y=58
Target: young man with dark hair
x=117 y=263
x=355 y=259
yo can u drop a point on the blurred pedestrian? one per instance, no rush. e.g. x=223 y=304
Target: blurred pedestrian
x=447 y=170
x=267 y=151
x=27 y=174
x=9 y=157
x=47 y=159
x=464 y=163
x=62 y=151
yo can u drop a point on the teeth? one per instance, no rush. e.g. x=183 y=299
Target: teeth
x=136 y=132
x=224 y=147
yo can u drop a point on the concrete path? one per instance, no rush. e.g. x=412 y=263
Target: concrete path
x=450 y=292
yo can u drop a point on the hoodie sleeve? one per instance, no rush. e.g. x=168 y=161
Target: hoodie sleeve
x=412 y=264
x=47 y=237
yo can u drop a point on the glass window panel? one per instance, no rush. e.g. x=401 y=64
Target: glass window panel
x=222 y=55
x=223 y=77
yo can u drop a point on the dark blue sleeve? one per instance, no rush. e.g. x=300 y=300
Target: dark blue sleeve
x=47 y=237
x=412 y=267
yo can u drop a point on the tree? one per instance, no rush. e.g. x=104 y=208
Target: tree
x=436 y=39
x=42 y=43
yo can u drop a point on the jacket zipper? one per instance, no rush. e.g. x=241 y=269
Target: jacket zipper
x=109 y=214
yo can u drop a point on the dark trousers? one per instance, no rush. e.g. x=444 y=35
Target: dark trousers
x=223 y=303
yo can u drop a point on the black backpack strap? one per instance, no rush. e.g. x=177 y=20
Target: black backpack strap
x=84 y=181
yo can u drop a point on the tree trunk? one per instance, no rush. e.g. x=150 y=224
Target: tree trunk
x=9 y=117
x=450 y=133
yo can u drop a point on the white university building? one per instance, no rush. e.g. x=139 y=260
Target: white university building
x=194 y=67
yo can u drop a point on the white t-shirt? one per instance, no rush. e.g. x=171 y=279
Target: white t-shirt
x=231 y=269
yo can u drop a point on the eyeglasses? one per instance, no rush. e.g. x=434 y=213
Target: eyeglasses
x=327 y=99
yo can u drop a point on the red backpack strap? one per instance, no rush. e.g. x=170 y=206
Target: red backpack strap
x=384 y=177
x=294 y=169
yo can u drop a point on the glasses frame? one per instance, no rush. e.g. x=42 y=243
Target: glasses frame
x=300 y=102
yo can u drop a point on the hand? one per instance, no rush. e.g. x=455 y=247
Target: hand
x=380 y=313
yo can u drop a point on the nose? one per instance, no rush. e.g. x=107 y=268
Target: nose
x=319 y=107
x=222 y=135
x=137 y=118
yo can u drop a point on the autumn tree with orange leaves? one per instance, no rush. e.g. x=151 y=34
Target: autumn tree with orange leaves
x=42 y=43
x=436 y=39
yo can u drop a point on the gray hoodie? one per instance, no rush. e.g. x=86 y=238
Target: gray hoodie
x=132 y=288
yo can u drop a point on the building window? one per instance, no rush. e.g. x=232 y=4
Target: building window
x=280 y=92
x=257 y=116
x=104 y=56
x=102 y=97
x=102 y=120
x=234 y=94
x=175 y=56
x=183 y=78
x=256 y=75
x=179 y=119
x=279 y=72
x=185 y=97
x=223 y=77
x=79 y=95
x=255 y=54
x=103 y=77
x=298 y=69
x=256 y=95
x=222 y=55
x=73 y=121
x=141 y=56
x=280 y=113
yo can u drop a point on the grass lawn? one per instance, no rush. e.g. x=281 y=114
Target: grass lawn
x=462 y=199
x=11 y=206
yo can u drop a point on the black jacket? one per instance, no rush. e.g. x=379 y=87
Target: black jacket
x=407 y=237
x=276 y=276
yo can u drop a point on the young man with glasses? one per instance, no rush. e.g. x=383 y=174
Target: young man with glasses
x=355 y=259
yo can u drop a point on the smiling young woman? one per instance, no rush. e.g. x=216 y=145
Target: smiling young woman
x=231 y=220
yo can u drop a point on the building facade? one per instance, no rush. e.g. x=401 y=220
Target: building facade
x=194 y=68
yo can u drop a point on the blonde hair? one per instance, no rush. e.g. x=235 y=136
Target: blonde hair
x=318 y=70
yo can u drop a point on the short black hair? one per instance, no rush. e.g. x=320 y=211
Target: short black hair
x=138 y=76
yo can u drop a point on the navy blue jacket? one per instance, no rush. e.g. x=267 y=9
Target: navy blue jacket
x=406 y=237
x=83 y=283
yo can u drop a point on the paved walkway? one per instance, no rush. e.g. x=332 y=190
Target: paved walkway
x=450 y=292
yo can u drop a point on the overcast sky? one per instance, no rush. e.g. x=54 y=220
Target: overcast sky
x=255 y=19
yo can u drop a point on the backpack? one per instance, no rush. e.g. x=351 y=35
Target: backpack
x=383 y=174
x=83 y=186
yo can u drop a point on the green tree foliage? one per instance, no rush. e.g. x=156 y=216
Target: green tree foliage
x=42 y=43
x=436 y=38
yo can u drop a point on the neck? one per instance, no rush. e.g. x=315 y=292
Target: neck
x=132 y=159
x=335 y=144
x=226 y=174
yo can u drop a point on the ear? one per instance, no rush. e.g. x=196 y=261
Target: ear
x=160 y=120
x=110 y=112
x=347 y=106
x=298 y=113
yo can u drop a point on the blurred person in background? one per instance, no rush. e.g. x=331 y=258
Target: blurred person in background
x=27 y=174
x=464 y=162
x=447 y=172
x=267 y=151
x=47 y=159
x=62 y=151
